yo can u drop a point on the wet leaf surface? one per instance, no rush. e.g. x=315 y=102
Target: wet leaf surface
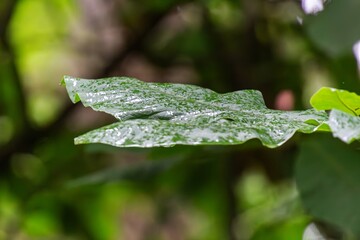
x=158 y=114
x=344 y=126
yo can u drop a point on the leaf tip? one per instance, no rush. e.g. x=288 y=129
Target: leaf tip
x=78 y=141
x=70 y=84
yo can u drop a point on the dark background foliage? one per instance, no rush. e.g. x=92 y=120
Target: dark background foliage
x=51 y=189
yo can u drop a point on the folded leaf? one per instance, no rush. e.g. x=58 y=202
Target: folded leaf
x=331 y=98
x=163 y=114
x=344 y=121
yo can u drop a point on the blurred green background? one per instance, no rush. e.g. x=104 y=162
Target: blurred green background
x=51 y=189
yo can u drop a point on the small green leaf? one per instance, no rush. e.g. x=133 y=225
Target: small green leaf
x=345 y=108
x=330 y=98
x=163 y=114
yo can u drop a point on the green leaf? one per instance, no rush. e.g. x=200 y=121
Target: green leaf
x=163 y=114
x=330 y=98
x=344 y=126
x=328 y=179
x=343 y=120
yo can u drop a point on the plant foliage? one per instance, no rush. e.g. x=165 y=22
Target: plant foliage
x=157 y=114
x=345 y=108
